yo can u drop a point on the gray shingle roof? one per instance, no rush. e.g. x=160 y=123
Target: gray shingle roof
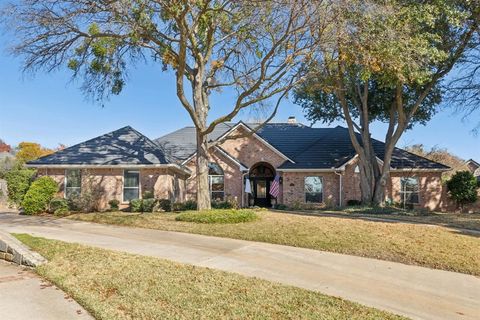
x=309 y=148
x=181 y=144
x=125 y=146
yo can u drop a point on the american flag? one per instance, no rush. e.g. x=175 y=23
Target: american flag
x=275 y=186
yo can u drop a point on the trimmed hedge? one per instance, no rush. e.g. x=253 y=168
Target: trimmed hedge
x=218 y=216
x=39 y=194
x=165 y=205
x=136 y=205
x=185 y=206
x=114 y=204
x=148 y=205
x=143 y=205
x=58 y=204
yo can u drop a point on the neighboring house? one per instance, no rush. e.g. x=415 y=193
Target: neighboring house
x=316 y=167
x=474 y=167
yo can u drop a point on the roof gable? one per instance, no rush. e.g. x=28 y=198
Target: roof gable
x=305 y=147
x=125 y=146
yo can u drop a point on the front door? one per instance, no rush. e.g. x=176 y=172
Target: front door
x=261 y=192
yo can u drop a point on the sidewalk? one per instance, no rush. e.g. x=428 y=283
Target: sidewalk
x=24 y=295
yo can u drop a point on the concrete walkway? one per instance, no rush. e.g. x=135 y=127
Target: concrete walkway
x=23 y=295
x=415 y=292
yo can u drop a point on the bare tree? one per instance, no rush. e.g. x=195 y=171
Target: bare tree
x=258 y=48
x=463 y=89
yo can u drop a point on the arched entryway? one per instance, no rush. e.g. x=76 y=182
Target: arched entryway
x=261 y=176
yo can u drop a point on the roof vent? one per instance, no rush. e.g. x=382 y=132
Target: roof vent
x=292 y=120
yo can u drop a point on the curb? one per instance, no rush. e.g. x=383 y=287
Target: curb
x=14 y=251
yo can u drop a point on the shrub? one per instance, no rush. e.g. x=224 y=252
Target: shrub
x=61 y=212
x=58 y=203
x=190 y=205
x=89 y=200
x=185 y=206
x=354 y=202
x=463 y=188
x=281 y=207
x=222 y=205
x=218 y=216
x=73 y=203
x=114 y=204
x=165 y=205
x=148 y=195
x=18 y=182
x=39 y=194
x=148 y=205
x=178 y=206
x=136 y=205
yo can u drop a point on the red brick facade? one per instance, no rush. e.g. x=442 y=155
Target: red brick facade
x=107 y=183
x=236 y=157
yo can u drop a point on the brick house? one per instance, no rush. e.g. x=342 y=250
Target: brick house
x=474 y=167
x=316 y=167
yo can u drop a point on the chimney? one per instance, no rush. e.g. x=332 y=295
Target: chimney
x=292 y=120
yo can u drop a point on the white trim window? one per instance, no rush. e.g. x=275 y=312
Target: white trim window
x=73 y=183
x=313 y=189
x=131 y=185
x=216 y=182
x=409 y=190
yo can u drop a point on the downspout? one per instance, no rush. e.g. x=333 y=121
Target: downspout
x=340 y=189
x=243 y=188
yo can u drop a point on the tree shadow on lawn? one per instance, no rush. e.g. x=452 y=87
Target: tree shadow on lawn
x=455 y=227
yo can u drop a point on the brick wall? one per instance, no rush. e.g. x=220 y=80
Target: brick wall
x=431 y=189
x=249 y=151
x=294 y=188
x=232 y=178
x=108 y=183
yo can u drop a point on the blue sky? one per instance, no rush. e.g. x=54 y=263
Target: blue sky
x=50 y=109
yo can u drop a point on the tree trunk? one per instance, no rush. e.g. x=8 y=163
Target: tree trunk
x=203 y=192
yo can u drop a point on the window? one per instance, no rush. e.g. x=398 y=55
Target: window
x=131 y=185
x=409 y=190
x=313 y=189
x=216 y=180
x=262 y=189
x=73 y=183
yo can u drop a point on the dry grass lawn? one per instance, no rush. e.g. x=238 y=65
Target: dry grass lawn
x=113 y=285
x=425 y=245
x=453 y=220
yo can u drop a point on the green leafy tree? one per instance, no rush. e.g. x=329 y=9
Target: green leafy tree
x=18 y=182
x=386 y=64
x=463 y=188
x=39 y=195
x=254 y=49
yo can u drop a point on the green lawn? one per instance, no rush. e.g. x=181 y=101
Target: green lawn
x=113 y=285
x=424 y=245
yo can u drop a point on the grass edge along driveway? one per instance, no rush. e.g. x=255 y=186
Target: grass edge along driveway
x=115 y=285
x=416 y=244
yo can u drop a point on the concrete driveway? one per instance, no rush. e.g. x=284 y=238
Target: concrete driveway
x=23 y=295
x=415 y=292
